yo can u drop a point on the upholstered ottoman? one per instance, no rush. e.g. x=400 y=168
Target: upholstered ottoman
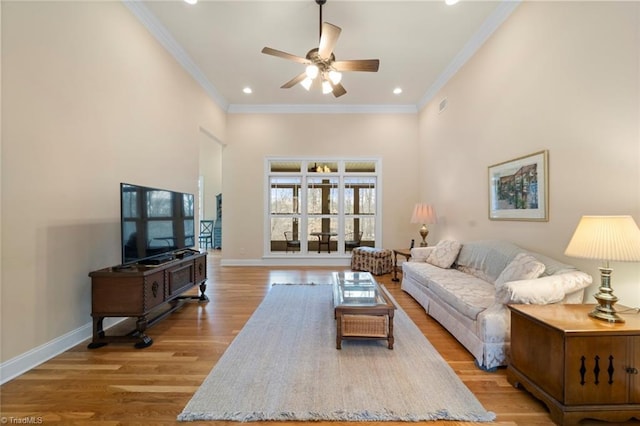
x=374 y=260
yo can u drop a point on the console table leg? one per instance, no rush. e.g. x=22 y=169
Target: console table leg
x=203 y=297
x=144 y=340
x=98 y=334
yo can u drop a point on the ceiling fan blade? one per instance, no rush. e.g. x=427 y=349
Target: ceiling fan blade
x=338 y=89
x=295 y=80
x=285 y=55
x=370 y=65
x=328 y=39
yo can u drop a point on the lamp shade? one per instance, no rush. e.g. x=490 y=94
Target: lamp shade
x=615 y=238
x=423 y=213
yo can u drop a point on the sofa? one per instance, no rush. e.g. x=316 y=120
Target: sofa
x=466 y=287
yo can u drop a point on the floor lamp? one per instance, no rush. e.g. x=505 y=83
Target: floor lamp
x=606 y=238
x=423 y=213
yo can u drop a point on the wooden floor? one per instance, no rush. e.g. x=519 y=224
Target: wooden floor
x=120 y=385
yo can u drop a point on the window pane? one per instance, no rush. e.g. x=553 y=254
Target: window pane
x=322 y=196
x=322 y=167
x=285 y=166
x=322 y=233
x=280 y=225
x=368 y=228
x=360 y=195
x=284 y=195
x=360 y=167
x=367 y=201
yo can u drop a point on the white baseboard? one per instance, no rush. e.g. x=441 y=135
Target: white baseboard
x=22 y=363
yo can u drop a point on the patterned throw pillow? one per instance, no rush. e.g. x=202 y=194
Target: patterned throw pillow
x=444 y=254
x=522 y=267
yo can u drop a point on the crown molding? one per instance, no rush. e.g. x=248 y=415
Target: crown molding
x=149 y=20
x=488 y=27
x=320 y=109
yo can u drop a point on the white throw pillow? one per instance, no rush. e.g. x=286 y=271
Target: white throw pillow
x=444 y=253
x=522 y=267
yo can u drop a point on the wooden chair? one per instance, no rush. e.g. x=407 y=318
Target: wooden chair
x=291 y=243
x=352 y=240
x=206 y=234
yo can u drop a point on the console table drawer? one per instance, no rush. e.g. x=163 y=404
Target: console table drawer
x=180 y=278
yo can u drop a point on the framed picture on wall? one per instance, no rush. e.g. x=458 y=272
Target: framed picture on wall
x=519 y=188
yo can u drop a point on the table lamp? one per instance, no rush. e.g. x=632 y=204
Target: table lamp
x=423 y=213
x=606 y=238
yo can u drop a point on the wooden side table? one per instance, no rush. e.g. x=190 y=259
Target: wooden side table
x=402 y=252
x=578 y=366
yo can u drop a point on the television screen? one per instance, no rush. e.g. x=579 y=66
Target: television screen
x=154 y=222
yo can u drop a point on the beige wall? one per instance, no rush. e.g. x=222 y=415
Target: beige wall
x=252 y=137
x=89 y=100
x=561 y=76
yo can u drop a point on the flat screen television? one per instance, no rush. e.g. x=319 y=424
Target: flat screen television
x=154 y=223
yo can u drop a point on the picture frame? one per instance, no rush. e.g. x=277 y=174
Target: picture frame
x=519 y=188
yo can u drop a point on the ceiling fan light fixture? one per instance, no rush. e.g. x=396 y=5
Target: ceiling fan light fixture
x=326 y=87
x=306 y=83
x=335 y=76
x=321 y=61
x=312 y=71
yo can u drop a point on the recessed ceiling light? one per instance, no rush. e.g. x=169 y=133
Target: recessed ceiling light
x=191 y=1
x=449 y=2
x=247 y=90
x=397 y=91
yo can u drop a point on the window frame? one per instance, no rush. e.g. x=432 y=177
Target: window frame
x=305 y=172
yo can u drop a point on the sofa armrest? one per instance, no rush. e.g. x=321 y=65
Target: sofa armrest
x=544 y=290
x=420 y=254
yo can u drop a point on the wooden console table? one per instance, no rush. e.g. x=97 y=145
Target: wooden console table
x=136 y=290
x=580 y=367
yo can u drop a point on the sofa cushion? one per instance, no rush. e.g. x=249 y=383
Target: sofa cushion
x=522 y=267
x=552 y=266
x=545 y=290
x=466 y=294
x=444 y=254
x=486 y=259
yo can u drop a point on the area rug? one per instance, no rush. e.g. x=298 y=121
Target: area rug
x=284 y=365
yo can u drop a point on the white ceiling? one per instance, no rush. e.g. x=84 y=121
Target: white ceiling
x=420 y=44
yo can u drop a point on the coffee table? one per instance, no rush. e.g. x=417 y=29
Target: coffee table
x=362 y=308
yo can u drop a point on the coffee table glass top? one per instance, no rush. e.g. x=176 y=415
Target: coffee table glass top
x=356 y=289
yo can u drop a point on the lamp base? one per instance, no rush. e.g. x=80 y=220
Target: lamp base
x=423 y=233
x=606 y=299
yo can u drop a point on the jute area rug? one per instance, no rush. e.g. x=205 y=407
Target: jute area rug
x=284 y=365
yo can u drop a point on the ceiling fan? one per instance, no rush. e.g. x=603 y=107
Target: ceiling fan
x=321 y=62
